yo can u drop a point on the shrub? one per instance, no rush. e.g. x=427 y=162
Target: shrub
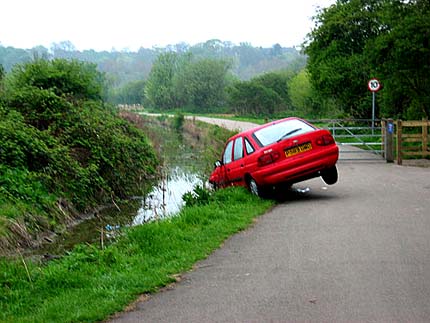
x=199 y=196
x=60 y=142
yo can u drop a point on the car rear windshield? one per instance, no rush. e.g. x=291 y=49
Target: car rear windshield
x=282 y=130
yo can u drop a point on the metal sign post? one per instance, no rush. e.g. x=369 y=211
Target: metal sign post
x=373 y=112
x=374 y=86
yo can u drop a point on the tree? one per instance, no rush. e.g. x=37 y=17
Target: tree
x=401 y=58
x=2 y=74
x=300 y=88
x=355 y=40
x=252 y=98
x=181 y=80
x=305 y=101
x=63 y=49
x=337 y=66
x=201 y=84
x=10 y=56
x=131 y=93
x=40 y=52
x=276 y=50
x=159 y=87
x=276 y=81
x=265 y=95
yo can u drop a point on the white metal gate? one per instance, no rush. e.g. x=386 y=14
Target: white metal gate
x=358 y=139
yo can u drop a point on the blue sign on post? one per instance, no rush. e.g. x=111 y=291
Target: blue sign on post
x=390 y=128
x=389 y=147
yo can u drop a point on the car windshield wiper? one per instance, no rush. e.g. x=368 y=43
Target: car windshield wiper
x=289 y=133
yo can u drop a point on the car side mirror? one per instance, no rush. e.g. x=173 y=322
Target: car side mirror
x=218 y=163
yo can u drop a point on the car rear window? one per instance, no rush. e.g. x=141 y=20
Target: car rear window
x=280 y=131
x=248 y=146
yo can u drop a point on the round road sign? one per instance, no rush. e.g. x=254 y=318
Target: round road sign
x=374 y=85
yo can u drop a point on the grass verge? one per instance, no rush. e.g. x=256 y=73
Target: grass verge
x=89 y=284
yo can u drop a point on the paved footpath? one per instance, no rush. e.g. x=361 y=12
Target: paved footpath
x=357 y=251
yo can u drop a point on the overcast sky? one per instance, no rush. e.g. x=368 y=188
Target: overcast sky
x=131 y=24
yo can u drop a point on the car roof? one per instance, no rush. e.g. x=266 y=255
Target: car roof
x=250 y=131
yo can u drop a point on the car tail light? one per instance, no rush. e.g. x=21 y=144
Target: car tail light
x=325 y=140
x=268 y=158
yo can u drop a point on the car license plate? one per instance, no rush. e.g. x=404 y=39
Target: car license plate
x=298 y=149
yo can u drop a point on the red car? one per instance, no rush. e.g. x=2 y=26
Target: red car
x=277 y=155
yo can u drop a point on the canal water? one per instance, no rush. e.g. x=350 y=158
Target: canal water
x=181 y=170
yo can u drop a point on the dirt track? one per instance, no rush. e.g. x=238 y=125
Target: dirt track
x=229 y=124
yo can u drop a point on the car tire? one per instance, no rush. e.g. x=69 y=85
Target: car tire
x=254 y=188
x=330 y=175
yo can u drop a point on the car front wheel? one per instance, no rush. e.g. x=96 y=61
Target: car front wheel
x=330 y=175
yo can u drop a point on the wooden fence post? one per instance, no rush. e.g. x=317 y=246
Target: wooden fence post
x=383 y=137
x=425 y=136
x=399 y=142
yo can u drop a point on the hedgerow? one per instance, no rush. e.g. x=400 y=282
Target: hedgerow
x=63 y=151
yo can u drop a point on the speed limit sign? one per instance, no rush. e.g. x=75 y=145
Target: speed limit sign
x=374 y=85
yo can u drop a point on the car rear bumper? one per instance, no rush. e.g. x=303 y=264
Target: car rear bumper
x=303 y=167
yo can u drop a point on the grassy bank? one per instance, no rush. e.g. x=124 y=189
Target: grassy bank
x=89 y=284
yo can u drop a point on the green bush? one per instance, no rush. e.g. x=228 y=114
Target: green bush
x=21 y=145
x=60 y=143
x=199 y=196
x=178 y=122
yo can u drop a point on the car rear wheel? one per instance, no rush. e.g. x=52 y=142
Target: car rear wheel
x=330 y=175
x=254 y=188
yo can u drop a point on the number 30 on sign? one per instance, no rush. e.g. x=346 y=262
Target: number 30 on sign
x=374 y=85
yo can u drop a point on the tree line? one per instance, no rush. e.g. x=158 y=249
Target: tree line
x=202 y=73
x=352 y=42
x=125 y=66
x=356 y=40
x=185 y=82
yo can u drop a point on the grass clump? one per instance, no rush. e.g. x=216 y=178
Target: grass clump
x=89 y=284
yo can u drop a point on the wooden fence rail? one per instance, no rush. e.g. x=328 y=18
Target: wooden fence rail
x=413 y=139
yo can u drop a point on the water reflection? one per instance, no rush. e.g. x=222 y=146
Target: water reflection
x=183 y=168
x=166 y=198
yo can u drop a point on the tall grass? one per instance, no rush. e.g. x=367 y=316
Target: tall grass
x=89 y=284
